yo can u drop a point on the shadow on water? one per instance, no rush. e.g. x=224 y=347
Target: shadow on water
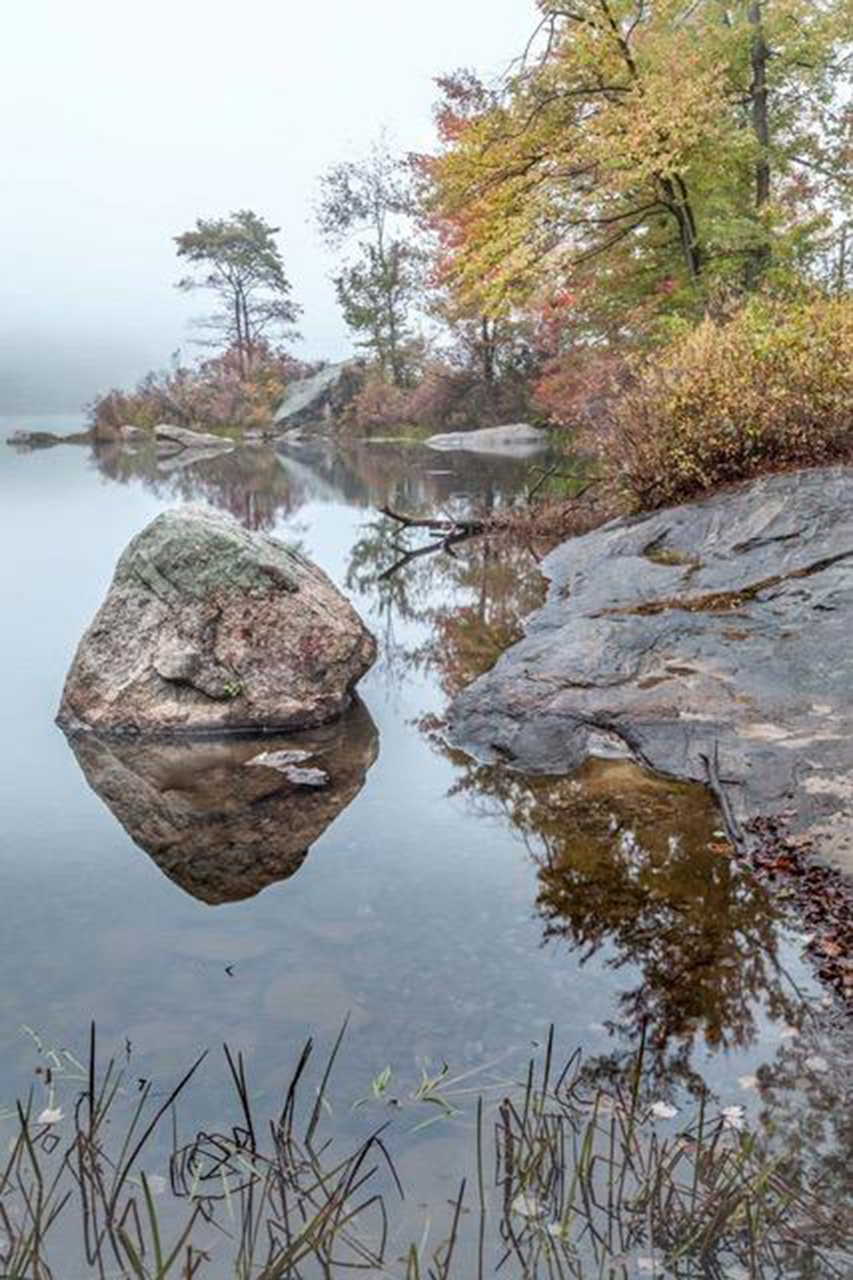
x=224 y=818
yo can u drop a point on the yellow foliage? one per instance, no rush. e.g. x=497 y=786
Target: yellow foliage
x=769 y=388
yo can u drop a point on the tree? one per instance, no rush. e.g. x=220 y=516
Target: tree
x=645 y=155
x=237 y=259
x=367 y=204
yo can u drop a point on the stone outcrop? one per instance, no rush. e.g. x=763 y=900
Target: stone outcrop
x=29 y=441
x=516 y=440
x=207 y=628
x=172 y=437
x=223 y=819
x=321 y=397
x=719 y=627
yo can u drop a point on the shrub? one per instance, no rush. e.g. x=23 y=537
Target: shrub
x=577 y=389
x=444 y=398
x=212 y=394
x=379 y=404
x=768 y=388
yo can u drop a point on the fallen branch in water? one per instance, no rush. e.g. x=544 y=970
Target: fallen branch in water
x=446 y=543
x=434 y=525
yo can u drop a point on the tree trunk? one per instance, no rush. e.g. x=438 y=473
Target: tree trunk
x=759 y=56
x=487 y=342
x=238 y=325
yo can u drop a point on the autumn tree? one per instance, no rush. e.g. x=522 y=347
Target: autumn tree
x=645 y=155
x=365 y=214
x=237 y=259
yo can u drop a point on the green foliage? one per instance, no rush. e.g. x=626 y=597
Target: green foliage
x=645 y=154
x=237 y=258
x=365 y=211
x=769 y=387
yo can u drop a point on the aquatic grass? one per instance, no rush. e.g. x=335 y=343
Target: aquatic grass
x=565 y=1181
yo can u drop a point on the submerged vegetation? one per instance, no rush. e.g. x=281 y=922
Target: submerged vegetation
x=559 y=1175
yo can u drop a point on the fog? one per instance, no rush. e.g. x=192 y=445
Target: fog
x=120 y=124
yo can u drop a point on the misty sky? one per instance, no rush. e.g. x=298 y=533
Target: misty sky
x=120 y=123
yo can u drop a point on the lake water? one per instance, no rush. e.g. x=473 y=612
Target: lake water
x=452 y=912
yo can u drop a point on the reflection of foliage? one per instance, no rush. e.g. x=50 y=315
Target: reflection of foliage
x=469 y=604
x=249 y=483
x=631 y=869
x=629 y=866
x=807 y=1097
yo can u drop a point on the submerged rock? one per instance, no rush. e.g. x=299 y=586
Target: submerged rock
x=323 y=395
x=723 y=625
x=208 y=627
x=220 y=830
x=516 y=440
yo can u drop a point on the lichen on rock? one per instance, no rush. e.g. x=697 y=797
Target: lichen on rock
x=210 y=627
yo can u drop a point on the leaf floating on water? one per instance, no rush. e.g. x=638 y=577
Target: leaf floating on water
x=664 y=1110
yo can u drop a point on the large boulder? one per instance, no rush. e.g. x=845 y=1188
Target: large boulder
x=516 y=440
x=208 y=627
x=720 y=629
x=224 y=818
x=321 y=397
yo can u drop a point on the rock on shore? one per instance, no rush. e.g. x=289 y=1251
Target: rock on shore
x=516 y=440
x=320 y=397
x=722 y=625
x=208 y=627
x=172 y=437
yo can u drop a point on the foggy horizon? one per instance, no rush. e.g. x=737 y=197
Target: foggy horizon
x=120 y=129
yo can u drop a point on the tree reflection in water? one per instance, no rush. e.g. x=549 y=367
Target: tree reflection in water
x=632 y=869
x=458 y=612
x=251 y=484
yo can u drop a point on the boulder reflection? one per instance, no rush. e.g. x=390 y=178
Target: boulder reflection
x=220 y=823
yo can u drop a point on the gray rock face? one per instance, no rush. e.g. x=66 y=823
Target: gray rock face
x=184 y=438
x=318 y=398
x=726 y=622
x=518 y=440
x=207 y=628
x=218 y=819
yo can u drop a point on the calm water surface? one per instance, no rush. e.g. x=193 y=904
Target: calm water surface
x=453 y=911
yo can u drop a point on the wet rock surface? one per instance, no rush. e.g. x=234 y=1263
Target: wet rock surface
x=214 y=816
x=208 y=627
x=718 y=630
